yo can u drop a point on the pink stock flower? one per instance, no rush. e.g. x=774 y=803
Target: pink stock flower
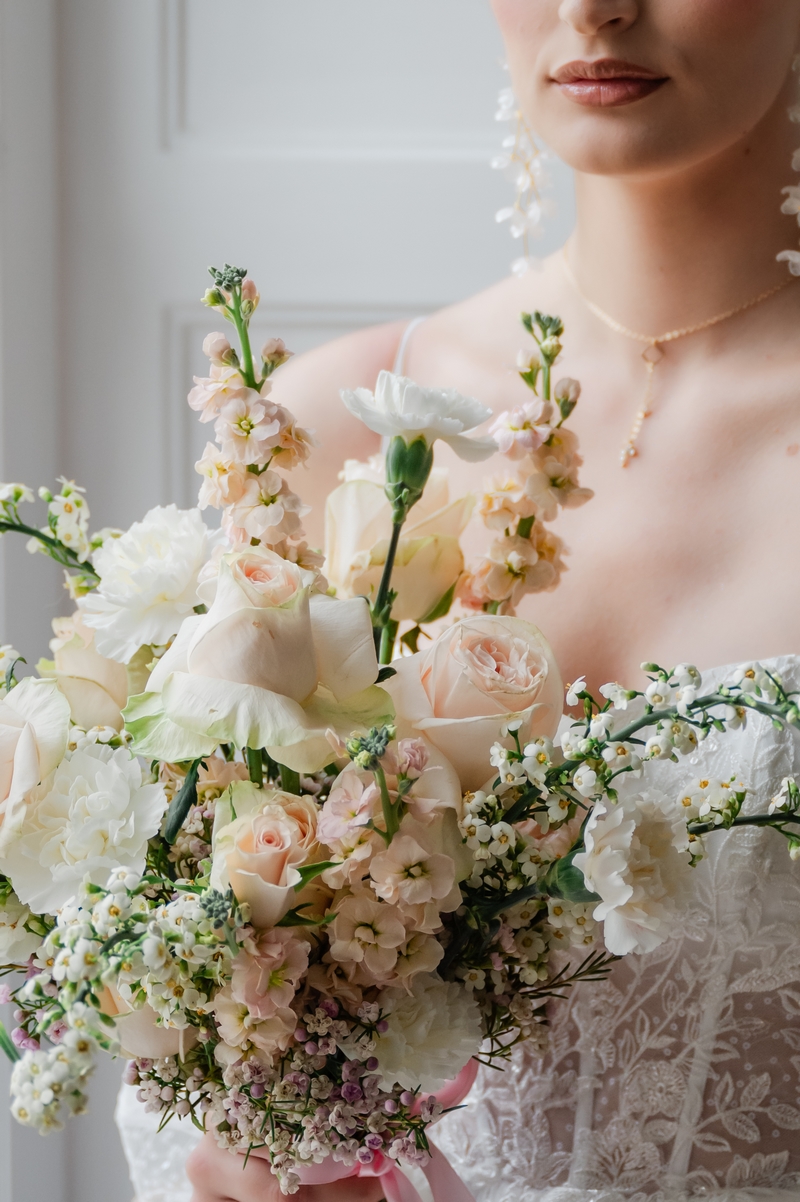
x=412 y=757
x=350 y=806
x=212 y=392
x=248 y=428
x=267 y=510
x=406 y=874
x=219 y=350
x=504 y=503
x=367 y=932
x=294 y=443
x=520 y=431
x=265 y=974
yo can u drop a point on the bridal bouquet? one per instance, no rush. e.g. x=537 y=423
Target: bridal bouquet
x=306 y=848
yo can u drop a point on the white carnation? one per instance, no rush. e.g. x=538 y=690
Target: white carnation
x=16 y=944
x=401 y=407
x=637 y=861
x=94 y=815
x=148 y=581
x=433 y=1032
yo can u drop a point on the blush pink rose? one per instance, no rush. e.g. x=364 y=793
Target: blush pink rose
x=475 y=678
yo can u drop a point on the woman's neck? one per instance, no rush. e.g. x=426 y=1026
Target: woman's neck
x=673 y=251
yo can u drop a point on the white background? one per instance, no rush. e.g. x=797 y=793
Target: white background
x=339 y=149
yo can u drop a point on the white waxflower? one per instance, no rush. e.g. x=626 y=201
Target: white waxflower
x=784 y=800
x=735 y=717
x=585 y=781
x=687 y=676
x=683 y=736
x=659 y=747
x=572 y=922
x=15 y=493
x=93 y=815
x=148 y=581
x=616 y=694
x=557 y=808
x=16 y=944
x=600 y=726
x=574 y=689
x=684 y=697
x=401 y=407
x=473 y=978
x=752 y=678
x=621 y=755
x=433 y=1031
x=636 y=860
x=503 y=839
x=659 y=694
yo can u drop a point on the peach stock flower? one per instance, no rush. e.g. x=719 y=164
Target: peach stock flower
x=367 y=932
x=405 y=874
x=266 y=972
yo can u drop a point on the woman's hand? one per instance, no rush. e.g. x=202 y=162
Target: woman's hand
x=217 y=1176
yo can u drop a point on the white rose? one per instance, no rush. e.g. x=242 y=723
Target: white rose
x=95 y=687
x=16 y=944
x=358 y=526
x=148 y=581
x=34 y=725
x=401 y=407
x=94 y=815
x=637 y=861
x=477 y=676
x=270 y=665
x=434 y=1030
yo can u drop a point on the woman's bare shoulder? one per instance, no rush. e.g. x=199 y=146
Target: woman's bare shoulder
x=352 y=361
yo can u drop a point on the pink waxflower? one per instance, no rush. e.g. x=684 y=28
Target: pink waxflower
x=210 y=393
x=407 y=874
x=266 y=972
x=520 y=431
x=247 y=428
x=350 y=806
x=6 y=996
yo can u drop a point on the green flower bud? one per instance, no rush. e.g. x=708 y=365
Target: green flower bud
x=408 y=466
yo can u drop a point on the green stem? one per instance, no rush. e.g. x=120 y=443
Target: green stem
x=248 y=371
x=290 y=780
x=255 y=766
x=387 y=644
x=386 y=579
x=390 y=817
x=775 y=820
x=525 y=527
x=57 y=551
x=546 y=370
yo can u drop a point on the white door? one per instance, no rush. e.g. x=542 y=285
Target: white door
x=338 y=149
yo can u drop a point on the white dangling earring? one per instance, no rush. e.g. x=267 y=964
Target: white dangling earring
x=524 y=162
x=792 y=203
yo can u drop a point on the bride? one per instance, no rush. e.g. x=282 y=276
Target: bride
x=681 y=1076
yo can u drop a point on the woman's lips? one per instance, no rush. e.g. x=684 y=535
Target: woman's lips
x=606 y=83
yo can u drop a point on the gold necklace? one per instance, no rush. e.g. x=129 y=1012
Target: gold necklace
x=653 y=354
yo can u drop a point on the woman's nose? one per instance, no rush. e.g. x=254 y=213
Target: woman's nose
x=591 y=16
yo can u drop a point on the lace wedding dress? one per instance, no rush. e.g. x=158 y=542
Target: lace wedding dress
x=677 y=1078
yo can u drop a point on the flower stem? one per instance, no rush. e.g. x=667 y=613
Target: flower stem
x=290 y=780
x=255 y=766
x=56 y=550
x=382 y=609
x=389 y=810
x=247 y=368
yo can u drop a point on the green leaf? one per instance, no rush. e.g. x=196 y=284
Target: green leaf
x=295 y=919
x=442 y=606
x=309 y=871
x=10 y=673
x=411 y=638
x=182 y=802
x=7 y=1046
x=386 y=673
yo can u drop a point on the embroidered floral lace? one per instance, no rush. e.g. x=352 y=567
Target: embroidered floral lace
x=677 y=1078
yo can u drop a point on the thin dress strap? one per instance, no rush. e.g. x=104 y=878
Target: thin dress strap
x=402 y=350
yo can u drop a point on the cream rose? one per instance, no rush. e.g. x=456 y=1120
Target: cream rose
x=476 y=677
x=270 y=665
x=358 y=526
x=257 y=853
x=34 y=724
x=95 y=687
x=139 y=1032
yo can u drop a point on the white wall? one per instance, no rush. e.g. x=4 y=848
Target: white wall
x=338 y=149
